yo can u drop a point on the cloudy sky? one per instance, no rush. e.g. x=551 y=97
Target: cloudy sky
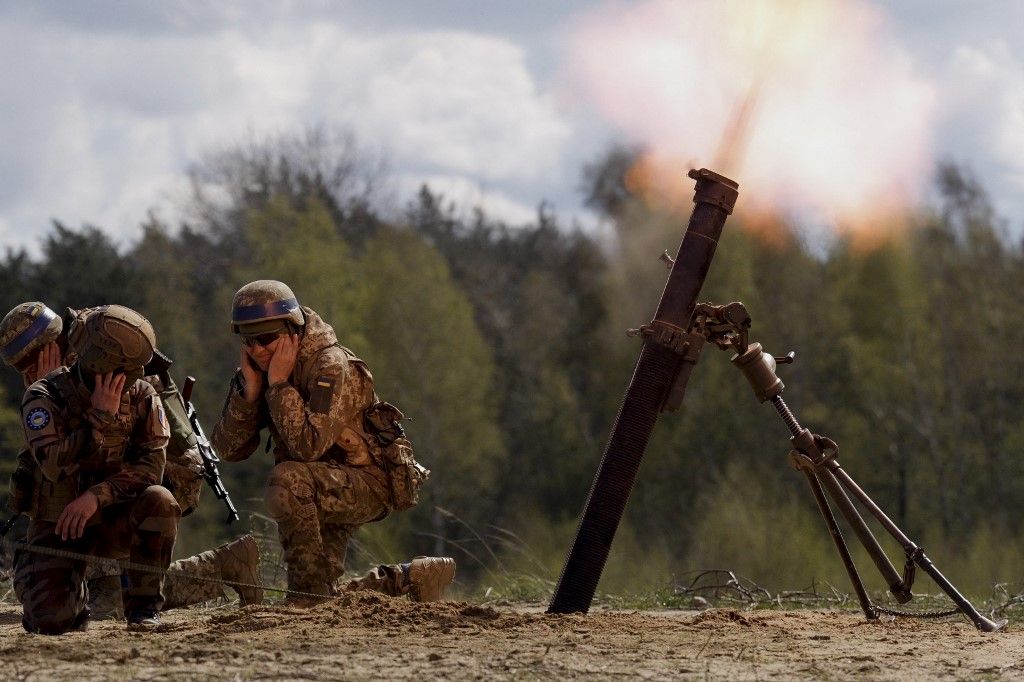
x=106 y=103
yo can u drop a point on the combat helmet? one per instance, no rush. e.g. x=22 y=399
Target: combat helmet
x=264 y=306
x=110 y=338
x=25 y=329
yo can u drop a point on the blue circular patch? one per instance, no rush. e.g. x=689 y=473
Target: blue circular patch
x=37 y=418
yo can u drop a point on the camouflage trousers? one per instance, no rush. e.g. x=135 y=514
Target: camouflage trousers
x=53 y=589
x=317 y=506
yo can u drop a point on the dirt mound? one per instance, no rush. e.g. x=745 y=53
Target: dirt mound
x=720 y=617
x=368 y=610
x=369 y=636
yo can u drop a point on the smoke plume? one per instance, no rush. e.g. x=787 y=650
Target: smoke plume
x=812 y=105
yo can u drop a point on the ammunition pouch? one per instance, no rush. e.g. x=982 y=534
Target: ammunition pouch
x=405 y=475
x=52 y=496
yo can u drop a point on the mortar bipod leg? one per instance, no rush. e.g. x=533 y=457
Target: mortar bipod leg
x=914 y=553
x=837 y=535
x=813 y=449
x=810 y=447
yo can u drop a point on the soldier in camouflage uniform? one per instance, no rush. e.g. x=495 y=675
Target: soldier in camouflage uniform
x=99 y=436
x=33 y=339
x=330 y=475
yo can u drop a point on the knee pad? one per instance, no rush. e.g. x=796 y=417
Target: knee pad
x=281 y=504
x=290 y=491
x=284 y=505
x=157 y=500
x=156 y=511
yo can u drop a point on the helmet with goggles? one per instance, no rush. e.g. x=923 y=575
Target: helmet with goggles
x=264 y=308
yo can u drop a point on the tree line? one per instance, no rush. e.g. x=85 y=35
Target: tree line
x=505 y=346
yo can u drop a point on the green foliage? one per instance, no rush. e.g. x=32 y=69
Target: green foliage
x=506 y=348
x=299 y=244
x=429 y=358
x=743 y=524
x=11 y=441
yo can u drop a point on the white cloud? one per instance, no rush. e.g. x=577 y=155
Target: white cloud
x=983 y=118
x=103 y=106
x=98 y=122
x=465 y=103
x=467 y=194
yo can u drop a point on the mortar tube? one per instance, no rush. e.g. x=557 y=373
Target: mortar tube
x=654 y=375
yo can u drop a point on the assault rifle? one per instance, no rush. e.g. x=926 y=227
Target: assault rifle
x=206 y=451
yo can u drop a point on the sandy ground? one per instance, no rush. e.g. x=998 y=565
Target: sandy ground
x=373 y=637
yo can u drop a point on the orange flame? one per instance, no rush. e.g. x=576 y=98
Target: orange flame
x=810 y=104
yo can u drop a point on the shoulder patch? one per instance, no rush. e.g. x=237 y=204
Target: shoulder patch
x=323 y=391
x=37 y=418
x=157 y=419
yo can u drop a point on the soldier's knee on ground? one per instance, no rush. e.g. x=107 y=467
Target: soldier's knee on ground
x=290 y=491
x=54 y=622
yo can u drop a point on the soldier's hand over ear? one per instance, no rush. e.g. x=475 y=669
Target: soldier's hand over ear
x=252 y=376
x=71 y=522
x=48 y=360
x=283 y=362
x=107 y=394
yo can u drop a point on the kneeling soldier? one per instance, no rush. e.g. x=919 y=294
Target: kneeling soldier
x=334 y=471
x=99 y=435
x=35 y=341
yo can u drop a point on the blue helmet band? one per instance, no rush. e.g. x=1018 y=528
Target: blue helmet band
x=253 y=313
x=19 y=342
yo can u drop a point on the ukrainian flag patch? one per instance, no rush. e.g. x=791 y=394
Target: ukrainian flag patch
x=322 y=393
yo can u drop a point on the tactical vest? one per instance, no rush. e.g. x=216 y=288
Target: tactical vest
x=105 y=455
x=182 y=472
x=94 y=461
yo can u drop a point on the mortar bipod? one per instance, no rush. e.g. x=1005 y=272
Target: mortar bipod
x=816 y=457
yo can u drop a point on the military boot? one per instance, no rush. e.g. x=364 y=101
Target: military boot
x=235 y=563
x=144 y=619
x=430 y=576
x=181 y=590
x=105 y=598
x=239 y=564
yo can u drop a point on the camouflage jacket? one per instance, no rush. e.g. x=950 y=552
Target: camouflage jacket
x=183 y=471
x=78 y=447
x=316 y=415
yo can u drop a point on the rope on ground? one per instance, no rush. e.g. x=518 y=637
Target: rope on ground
x=124 y=564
